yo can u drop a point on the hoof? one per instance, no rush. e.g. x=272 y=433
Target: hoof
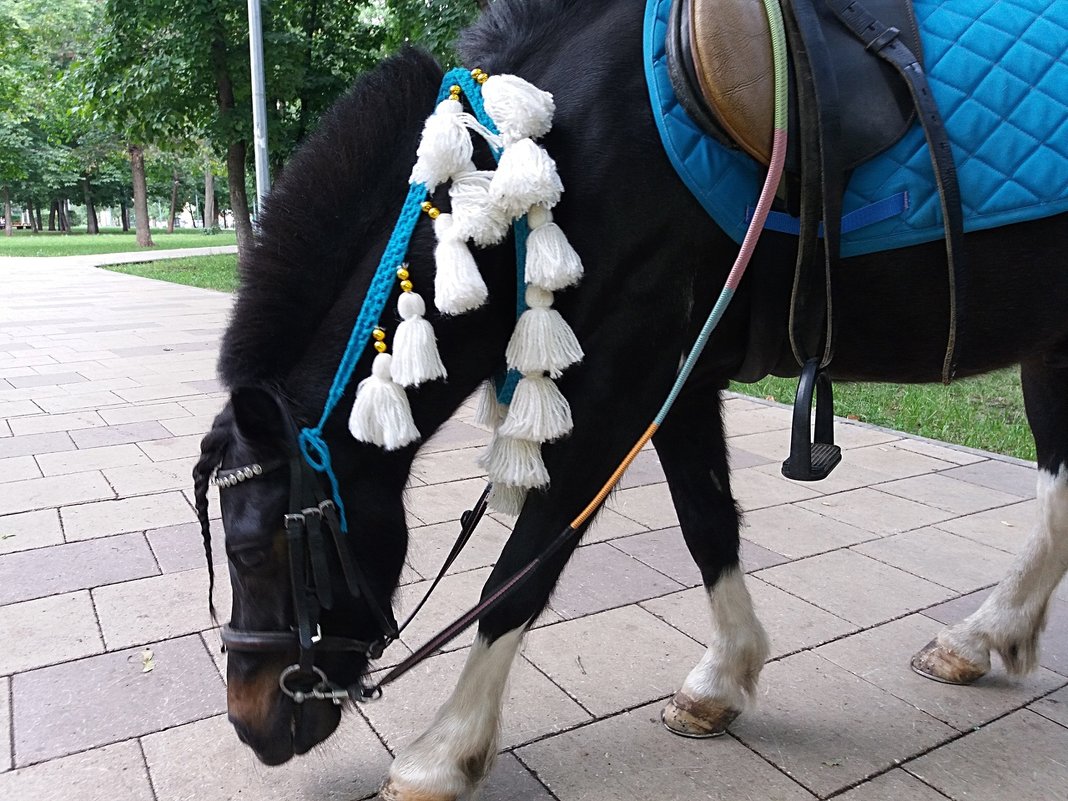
x=396 y=791
x=940 y=664
x=688 y=717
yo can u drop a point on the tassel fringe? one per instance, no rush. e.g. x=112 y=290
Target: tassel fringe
x=476 y=216
x=445 y=147
x=551 y=261
x=526 y=176
x=507 y=500
x=415 y=348
x=381 y=414
x=458 y=285
x=519 y=108
x=516 y=462
x=539 y=412
x=542 y=340
x=491 y=412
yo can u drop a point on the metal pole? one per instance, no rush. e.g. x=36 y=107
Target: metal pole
x=259 y=102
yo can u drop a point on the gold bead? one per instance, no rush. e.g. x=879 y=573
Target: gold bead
x=380 y=347
x=476 y=72
x=379 y=334
x=406 y=286
x=402 y=273
x=426 y=206
x=482 y=77
x=433 y=213
x=455 y=89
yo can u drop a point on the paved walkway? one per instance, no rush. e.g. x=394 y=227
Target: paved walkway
x=110 y=683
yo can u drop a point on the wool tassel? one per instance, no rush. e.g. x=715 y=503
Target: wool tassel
x=518 y=108
x=458 y=285
x=539 y=412
x=491 y=412
x=381 y=414
x=526 y=176
x=415 y=348
x=475 y=215
x=551 y=261
x=542 y=339
x=516 y=462
x=507 y=499
x=445 y=147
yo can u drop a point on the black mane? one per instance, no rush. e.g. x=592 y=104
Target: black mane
x=521 y=29
x=320 y=214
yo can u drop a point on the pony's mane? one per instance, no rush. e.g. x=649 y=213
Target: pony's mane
x=518 y=29
x=335 y=194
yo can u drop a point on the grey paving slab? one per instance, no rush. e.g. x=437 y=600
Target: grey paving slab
x=794 y=531
x=609 y=525
x=181 y=547
x=454 y=435
x=1054 y=706
x=92 y=520
x=828 y=728
x=599 y=577
x=896 y=785
x=855 y=587
x=664 y=550
x=439 y=503
x=881 y=656
x=7 y=759
x=143 y=414
x=54 y=464
x=645 y=469
x=150 y=477
x=943 y=452
x=18 y=468
x=943 y=492
x=43 y=380
x=509 y=780
x=48 y=630
x=456 y=594
x=632 y=757
x=1005 y=528
x=25 y=575
x=594 y=659
x=429 y=545
x=57 y=710
x=120 y=434
x=893 y=461
x=1000 y=476
x=877 y=512
x=43 y=493
x=205 y=761
x=113 y=773
x=755 y=488
x=985 y=765
x=649 y=505
x=172 y=447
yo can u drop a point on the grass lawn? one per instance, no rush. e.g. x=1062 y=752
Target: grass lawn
x=208 y=272
x=111 y=240
x=985 y=412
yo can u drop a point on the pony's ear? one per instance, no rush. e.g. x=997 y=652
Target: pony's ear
x=256 y=414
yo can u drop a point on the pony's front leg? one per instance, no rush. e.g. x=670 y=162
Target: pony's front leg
x=693 y=453
x=456 y=752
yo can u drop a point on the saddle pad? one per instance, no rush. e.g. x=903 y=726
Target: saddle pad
x=999 y=71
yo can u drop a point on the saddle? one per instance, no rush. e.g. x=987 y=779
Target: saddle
x=857 y=85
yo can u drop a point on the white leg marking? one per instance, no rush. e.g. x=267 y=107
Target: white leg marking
x=727 y=674
x=1010 y=620
x=454 y=754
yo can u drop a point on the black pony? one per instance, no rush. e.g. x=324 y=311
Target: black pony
x=654 y=264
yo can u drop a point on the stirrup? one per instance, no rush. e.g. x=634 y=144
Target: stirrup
x=812 y=459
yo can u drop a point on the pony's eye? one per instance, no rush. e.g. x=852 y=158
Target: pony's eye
x=249 y=558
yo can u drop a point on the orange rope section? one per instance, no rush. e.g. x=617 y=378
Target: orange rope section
x=614 y=479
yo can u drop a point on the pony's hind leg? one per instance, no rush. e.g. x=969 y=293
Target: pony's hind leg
x=693 y=452
x=1012 y=617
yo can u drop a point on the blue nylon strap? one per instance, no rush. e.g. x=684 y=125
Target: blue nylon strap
x=861 y=218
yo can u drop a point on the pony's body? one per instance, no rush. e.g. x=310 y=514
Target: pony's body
x=654 y=265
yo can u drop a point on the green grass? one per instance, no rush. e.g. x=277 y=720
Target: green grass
x=25 y=243
x=208 y=272
x=985 y=412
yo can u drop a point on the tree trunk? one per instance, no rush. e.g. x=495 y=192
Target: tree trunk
x=33 y=220
x=235 y=151
x=124 y=215
x=64 y=218
x=53 y=212
x=209 y=199
x=91 y=224
x=174 y=203
x=40 y=228
x=140 y=189
x=9 y=224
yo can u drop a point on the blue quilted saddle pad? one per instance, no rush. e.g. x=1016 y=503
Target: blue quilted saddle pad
x=999 y=71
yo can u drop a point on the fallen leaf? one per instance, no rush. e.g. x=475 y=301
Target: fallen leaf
x=769 y=397
x=1007 y=523
x=148 y=663
x=852 y=417
x=6 y=536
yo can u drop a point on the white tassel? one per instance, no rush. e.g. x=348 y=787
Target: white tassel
x=542 y=339
x=458 y=285
x=516 y=462
x=551 y=261
x=491 y=412
x=381 y=414
x=475 y=215
x=507 y=500
x=415 y=348
x=526 y=176
x=445 y=147
x=519 y=109
x=539 y=412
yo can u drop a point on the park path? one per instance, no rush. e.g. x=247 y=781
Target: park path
x=110 y=673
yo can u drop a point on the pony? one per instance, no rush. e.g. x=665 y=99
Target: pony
x=654 y=263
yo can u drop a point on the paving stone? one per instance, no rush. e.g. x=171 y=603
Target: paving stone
x=151 y=477
x=1018 y=757
x=828 y=728
x=649 y=505
x=205 y=761
x=740 y=459
x=439 y=467
x=599 y=577
x=855 y=587
x=72 y=403
x=645 y=469
x=454 y=435
x=119 y=435
x=510 y=781
x=162 y=450
x=533 y=705
x=48 y=630
x=874 y=511
x=439 y=503
x=895 y=462
x=181 y=547
x=946 y=493
x=131 y=514
x=429 y=545
x=943 y=558
x=633 y=757
x=142 y=414
x=57 y=710
x=18 y=468
x=454 y=596
x=944 y=452
x=881 y=656
x=609 y=525
x=771 y=445
x=851 y=435
x=29 y=530
x=847 y=476
x=7 y=760
x=1053 y=642
x=44 y=380
x=42 y=493
x=203 y=406
x=1005 y=528
x=897 y=785
x=113 y=773
x=31 y=444
x=64 y=568
x=1054 y=706
x=595 y=661
x=795 y=532
x=755 y=421
x=15 y=408
x=49 y=423
x=158 y=607
x=54 y=464
x=1001 y=476
x=665 y=551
